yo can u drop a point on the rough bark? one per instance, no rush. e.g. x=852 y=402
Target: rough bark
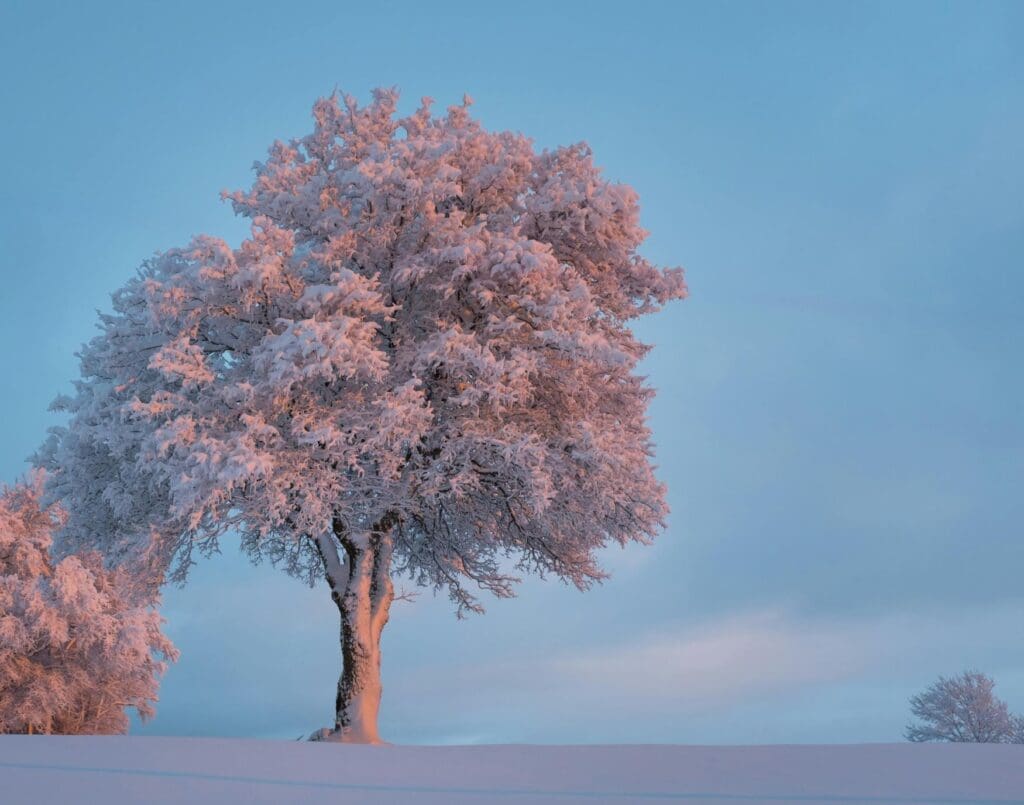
x=362 y=590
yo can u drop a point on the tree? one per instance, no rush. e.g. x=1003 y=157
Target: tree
x=76 y=648
x=1017 y=736
x=961 y=709
x=418 y=363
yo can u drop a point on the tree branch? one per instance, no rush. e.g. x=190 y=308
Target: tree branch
x=334 y=570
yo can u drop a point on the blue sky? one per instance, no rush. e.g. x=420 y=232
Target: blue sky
x=839 y=402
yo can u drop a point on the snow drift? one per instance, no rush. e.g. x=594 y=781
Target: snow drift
x=54 y=769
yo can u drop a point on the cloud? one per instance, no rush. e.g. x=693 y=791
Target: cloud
x=763 y=654
x=773 y=675
x=720 y=662
x=668 y=673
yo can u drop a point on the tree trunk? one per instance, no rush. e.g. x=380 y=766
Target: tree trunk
x=362 y=591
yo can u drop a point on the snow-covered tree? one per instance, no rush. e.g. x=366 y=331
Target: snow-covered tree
x=76 y=646
x=961 y=709
x=1017 y=736
x=419 y=364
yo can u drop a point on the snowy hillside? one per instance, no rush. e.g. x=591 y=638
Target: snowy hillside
x=43 y=770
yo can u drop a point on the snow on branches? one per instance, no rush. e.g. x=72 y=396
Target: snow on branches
x=76 y=647
x=425 y=338
x=428 y=319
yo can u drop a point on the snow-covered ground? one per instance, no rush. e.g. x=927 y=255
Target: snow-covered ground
x=41 y=770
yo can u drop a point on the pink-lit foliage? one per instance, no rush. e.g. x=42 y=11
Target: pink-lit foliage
x=77 y=646
x=418 y=363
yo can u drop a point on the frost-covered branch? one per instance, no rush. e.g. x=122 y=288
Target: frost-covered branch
x=334 y=570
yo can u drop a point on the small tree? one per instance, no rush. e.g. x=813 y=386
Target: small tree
x=419 y=363
x=1017 y=737
x=962 y=709
x=75 y=648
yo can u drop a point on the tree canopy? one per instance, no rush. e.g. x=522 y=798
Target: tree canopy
x=421 y=355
